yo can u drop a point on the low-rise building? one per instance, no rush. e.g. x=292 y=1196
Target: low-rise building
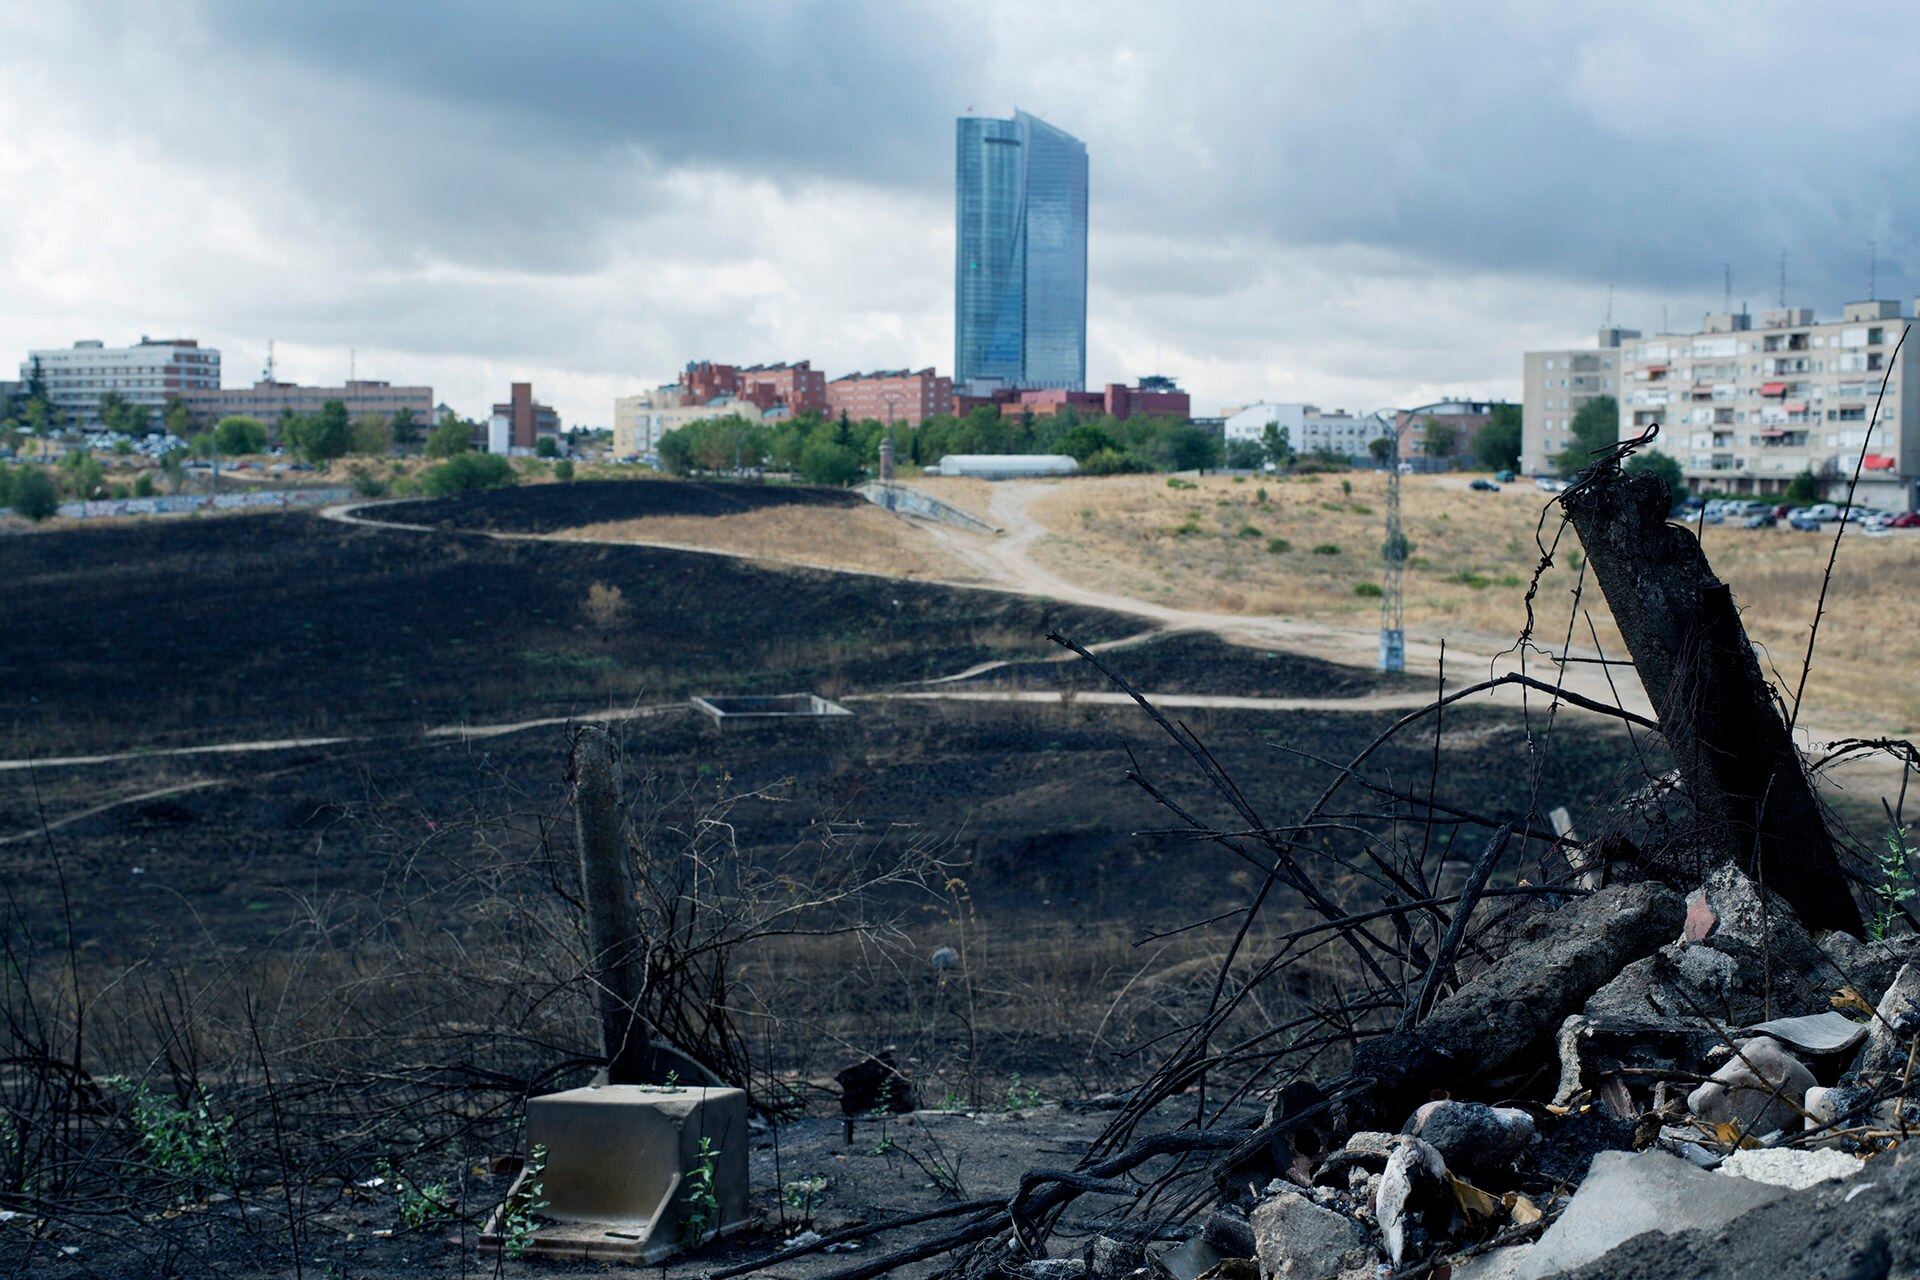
x=899 y=395
x=797 y=386
x=1744 y=406
x=1556 y=385
x=270 y=401
x=517 y=426
x=1155 y=395
x=150 y=373
x=640 y=420
x=1310 y=428
x=1464 y=418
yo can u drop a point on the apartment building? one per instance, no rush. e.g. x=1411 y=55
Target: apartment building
x=796 y=386
x=269 y=401
x=1745 y=406
x=1556 y=384
x=1465 y=417
x=640 y=420
x=1310 y=428
x=516 y=426
x=150 y=373
x=898 y=395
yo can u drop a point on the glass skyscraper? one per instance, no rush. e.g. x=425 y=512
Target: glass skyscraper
x=1020 y=256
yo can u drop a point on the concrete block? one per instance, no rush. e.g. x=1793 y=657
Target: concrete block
x=618 y=1158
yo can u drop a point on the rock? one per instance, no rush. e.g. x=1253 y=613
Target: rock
x=1868 y=967
x=1188 y=1260
x=944 y=959
x=1568 y=1147
x=1625 y=1195
x=1786 y=1167
x=1109 y=1258
x=1297 y=1239
x=1052 y=1269
x=1506 y=1018
x=1228 y=1231
x=1366 y=1150
x=1885 y=1052
x=1757 y=1103
x=1821 y=1033
x=1472 y=1136
x=1411 y=1203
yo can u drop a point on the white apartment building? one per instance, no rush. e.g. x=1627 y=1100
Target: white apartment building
x=1745 y=407
x=1555 y=386
x=1309 y=427
x=639 y=421
x=151 y=373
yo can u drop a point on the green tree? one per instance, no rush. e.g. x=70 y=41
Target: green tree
x=1084 y=440
x=1595 y=427
x=236 y=435
x=1275 y=443
x=86 y=478
x=1180 y=446
x=1498 y=444
x=143 y=485
x=34 y=495
x=449 y=438
x=113 y=408
x=469 y=473
x=546 y=447
x=1380 y=448
x=824 y=462
x=1440 y=438
x=1805 y=489
x=563 y=470
x=406 y=430
x=1245 y=455
x=327 y=434
x=1666 y=467
x=372 y=436
x=204 y=445
x=178 y=421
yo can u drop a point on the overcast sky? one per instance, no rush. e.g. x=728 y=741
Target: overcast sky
x=1354 y=203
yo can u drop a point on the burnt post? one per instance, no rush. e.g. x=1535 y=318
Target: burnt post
x=1716 y=710
x=617 y=958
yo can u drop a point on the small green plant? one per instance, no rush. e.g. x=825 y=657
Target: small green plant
x=1346 y=487
x=1327 y=549
x=1895 y=887
x=1360 y=508
x=700 y=1204
x=1278 y=546
x=519 y=1217
x=1468 y=578
x=1260 y=495
x=1372 y=590
x=1239 y=479
x=801 y=1195
x=190 y=1142
x=1248 y=531
x=1175 y=482
x=1020 y=1097
x=422 y=1206
x=1184 y=528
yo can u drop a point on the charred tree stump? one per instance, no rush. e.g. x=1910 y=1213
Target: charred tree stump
x=617 y=961
x=1716 y=710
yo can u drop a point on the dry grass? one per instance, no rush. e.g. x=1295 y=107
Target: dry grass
x=865 y=538
x=1208 y=548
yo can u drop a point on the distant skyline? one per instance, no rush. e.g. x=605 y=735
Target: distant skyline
x=1357 y=203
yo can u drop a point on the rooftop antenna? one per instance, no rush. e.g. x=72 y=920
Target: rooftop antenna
x=1783 y=279
x=1873 y=269
x=1609 y=306
x=1726 y=279
x=269 y=373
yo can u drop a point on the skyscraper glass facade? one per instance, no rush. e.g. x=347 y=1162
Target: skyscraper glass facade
x=1020 y=259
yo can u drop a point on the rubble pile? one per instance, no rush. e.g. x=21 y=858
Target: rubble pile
x=1646 y=1084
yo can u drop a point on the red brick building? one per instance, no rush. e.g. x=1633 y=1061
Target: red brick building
x=897 y=395
x=517 y=425
x=797 y=386
x=1156 y=396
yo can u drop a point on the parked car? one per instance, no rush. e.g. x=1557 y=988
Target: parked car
x=1823 y=511
x=1905 y=520
x=1761 y=520
x=1801 y=520
x=1484 y=485
x=1503 y=477
x=1781 y=510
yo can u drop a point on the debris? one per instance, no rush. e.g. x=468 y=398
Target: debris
x=1412 y=1204
x=1111 y=1259
x=944 y=959
x=1886 y=1051
x=1297 y=1239
x=1230 y=1232
x=1786 y=1167
x=1818 y=1033
x=1472 y=1136
x=1052 y=1269
x=874 y=1084
x=1364 y=1150
x=1187 y=1261
x=1759 y=1091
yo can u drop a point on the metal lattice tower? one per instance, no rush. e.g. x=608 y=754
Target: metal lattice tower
x=1393 y=557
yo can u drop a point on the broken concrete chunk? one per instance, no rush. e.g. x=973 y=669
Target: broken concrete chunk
x=1052 y=1269
x=1786 y=1167
x=1365 y=1150
x=1111 y=1259
x=1759 y=1090
x=1885 y=1052
x=1228 y=1231
x=1829 y=1032
x=1411 y=1200
x=1509 y=1014
x=1297 y=1239
x=1472 y=1136
x=1866 y=966
x=1187 y=1261
x=1625 y=1195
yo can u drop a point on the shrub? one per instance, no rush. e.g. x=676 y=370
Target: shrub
x=563 y=470
x=1248 y=531
x=823 y=462
x=1278 y=546
x=34 y=495
x=1327 y=549
x=469 y=473
x=546 y=447
x=1370 y=589
x=451 y=437
x=1111 y=462
x=1175 y=482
